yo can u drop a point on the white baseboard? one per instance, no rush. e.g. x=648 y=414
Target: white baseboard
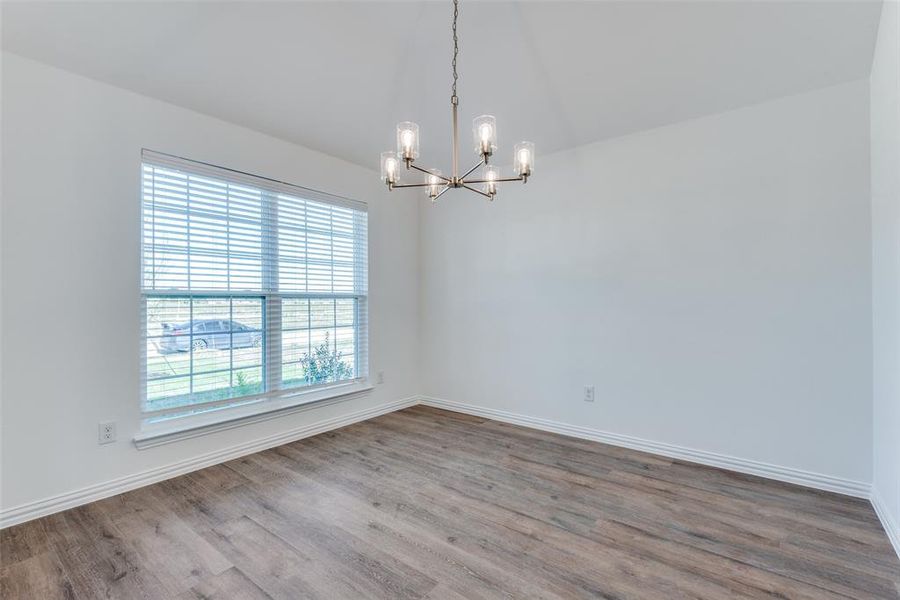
x=857 y=489
x=848 y=487
x=891 y=527
x=48 y=506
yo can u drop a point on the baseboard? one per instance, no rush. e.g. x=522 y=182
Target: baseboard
x=819 y=481
x=891 y=527
x=48 y=506
x=41 y=508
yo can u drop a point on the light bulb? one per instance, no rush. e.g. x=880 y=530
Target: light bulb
x=484 y=134
x=524 y=158
x=389 y=167
x=491 y=175
x=407 y=141
x=434 y=181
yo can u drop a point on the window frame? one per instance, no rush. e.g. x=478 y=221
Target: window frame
x=275 y=399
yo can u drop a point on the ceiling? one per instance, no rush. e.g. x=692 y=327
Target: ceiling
x=337 y=76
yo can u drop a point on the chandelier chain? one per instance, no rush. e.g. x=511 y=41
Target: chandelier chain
x=455 y=45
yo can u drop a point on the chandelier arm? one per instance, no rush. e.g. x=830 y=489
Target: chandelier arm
x=441 y=193
x=477 y=191
x=410 y=185
x=501 y=180
x=427 y=172
x=472 y=170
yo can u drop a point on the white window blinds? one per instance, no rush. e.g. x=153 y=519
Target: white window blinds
x=250 y=287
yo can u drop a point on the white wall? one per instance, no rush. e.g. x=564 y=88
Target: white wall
x=710 y=278
x=70 y=260
x=885 y=132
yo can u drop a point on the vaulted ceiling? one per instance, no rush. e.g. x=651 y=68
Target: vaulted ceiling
x=337 y=76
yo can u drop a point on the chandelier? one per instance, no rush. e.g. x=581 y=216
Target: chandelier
x=484 y=129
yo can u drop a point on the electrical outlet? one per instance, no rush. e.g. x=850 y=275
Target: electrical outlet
x=379 y=378
x=106 y=432
x=588 y=393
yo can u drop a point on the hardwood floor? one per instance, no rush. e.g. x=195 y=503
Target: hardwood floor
x=431 y=504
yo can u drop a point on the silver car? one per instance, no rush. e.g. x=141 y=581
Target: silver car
x=200 y=334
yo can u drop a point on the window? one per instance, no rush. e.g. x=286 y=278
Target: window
x=252 y=289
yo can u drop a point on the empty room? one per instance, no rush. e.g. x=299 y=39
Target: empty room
x=450 y=299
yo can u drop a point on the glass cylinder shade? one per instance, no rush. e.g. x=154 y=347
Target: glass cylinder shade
x=389 y=167
x=434 y=181
x=484 y=130
x=523 y=158
x=407 y=140
x=491 y=175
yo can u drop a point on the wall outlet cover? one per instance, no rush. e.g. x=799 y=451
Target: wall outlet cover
x=106 y=432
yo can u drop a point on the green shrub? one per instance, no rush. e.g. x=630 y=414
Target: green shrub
x=324 y=365
x=242 y=387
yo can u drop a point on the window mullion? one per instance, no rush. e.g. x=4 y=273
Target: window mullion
x=272 y=315
x=360 y=287
x=273 y=304
x=191 y=344
x=231 y=342
x=144 y=370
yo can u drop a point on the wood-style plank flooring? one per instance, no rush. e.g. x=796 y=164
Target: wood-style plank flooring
x=431 y=504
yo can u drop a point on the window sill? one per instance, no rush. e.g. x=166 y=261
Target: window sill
x=197 y=425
